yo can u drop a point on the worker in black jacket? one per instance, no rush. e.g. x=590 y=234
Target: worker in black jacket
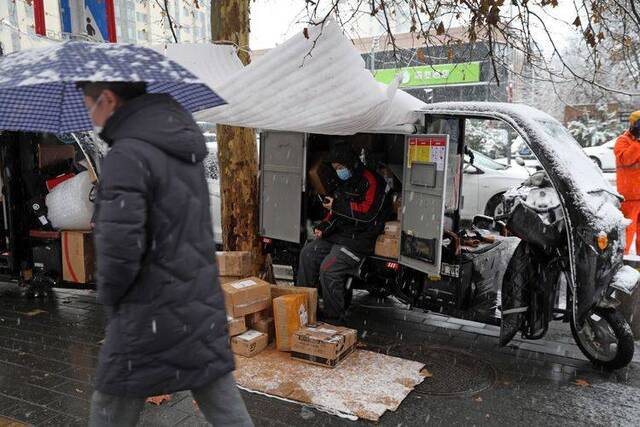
x=348 y=233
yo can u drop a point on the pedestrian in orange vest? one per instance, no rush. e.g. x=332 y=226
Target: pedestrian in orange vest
x=627 y=151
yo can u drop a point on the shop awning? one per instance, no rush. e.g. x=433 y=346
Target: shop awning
x=317 y=84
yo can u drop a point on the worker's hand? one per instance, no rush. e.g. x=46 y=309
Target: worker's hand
x=318 y=233
x=328 y=202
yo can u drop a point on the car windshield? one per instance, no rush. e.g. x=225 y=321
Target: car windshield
x=484 y=161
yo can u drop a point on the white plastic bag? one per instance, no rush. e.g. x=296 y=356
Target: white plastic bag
x=69 y=205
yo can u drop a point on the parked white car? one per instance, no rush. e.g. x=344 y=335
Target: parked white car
x=484 y=183
x=602 y=155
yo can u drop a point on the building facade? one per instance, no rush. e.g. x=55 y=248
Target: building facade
x=27 y=24
x=449 y=68
x=31 y=23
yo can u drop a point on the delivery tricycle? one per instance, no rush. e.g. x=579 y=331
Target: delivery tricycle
x=555 y=252
x=46 y=205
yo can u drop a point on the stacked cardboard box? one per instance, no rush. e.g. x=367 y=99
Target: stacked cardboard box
x=248 y=303
x=290 y=313
x=237 y=325
x=388 y=244
x=311 y=293
x=246 y=296
x=234 y=265
x=323 y=344
x=249 y=343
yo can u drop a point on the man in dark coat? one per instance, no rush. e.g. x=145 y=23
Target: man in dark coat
x=156 y=270
x=355 y=218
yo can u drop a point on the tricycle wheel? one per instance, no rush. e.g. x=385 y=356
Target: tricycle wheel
x=605 y=338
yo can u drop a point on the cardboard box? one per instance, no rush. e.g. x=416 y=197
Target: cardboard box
x=249 y=343
x=311 y=293
x=50 y=154
x=246 y=296
x=323 y=344
x=322 y=177
x=392 y=229
x=289 y=315
x=77 y=257
x=254 y=318
x=388 y=247
x=229 y=279
x=237 y=325
x=266 y=326
x=234 y=263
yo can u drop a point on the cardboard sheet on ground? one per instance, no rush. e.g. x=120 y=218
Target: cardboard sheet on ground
x=366 y=384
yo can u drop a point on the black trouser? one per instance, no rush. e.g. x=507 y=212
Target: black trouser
x=330 y=264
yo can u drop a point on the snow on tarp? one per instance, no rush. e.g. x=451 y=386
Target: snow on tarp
x=596 y=196
x=213 y=64
x=365 y=384
x=314 y=85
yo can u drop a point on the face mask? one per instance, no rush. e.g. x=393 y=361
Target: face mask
x=344 y=174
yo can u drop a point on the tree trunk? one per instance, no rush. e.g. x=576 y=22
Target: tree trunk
x=237 y=154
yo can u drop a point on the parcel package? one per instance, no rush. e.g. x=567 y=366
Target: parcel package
x=289 y=315
x=249 y=343
x=234 y=263
x=246 y=296
x=311 y=293
x=237 y=325
x=388 y=247
x=323 y=344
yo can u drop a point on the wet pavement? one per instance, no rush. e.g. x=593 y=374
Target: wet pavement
x=49 y=348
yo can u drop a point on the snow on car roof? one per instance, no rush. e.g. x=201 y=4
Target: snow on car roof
x=554 y=146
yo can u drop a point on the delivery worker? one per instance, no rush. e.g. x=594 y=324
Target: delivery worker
x=355 y=218
x=156 y=268
x=627 y=151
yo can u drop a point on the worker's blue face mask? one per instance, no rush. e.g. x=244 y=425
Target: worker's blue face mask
x=344 y=174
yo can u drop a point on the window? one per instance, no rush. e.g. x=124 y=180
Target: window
x=141 y=17
x=143 y=35
x=131 y=33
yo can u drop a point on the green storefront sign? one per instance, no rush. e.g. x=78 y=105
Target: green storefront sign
x=432 y=75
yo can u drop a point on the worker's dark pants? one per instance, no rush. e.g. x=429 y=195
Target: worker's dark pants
x=332 y=265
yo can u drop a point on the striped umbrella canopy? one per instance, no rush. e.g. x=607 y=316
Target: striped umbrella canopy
x=38 y=86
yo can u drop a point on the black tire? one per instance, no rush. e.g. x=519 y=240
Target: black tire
x=494 y=202
x=596 y=161
x=623 y=335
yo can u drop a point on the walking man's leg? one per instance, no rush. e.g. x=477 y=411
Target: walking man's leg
x=116 y=411
x=311 y=257
x=334 y=271
x=221 y=404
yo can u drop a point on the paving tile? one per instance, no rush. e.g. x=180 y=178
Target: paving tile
x=78 y=389
x=71 y=406
x=162 y=416
x=29 y=413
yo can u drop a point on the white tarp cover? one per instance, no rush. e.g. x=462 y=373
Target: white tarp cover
x=314 y=85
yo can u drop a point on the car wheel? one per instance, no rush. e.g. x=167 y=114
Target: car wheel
x=596 y=161
x=495 y=206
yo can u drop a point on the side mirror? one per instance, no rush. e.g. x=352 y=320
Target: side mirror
x=520 y=161
x=471 y=169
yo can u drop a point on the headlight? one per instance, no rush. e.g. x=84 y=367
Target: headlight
x=602 y=240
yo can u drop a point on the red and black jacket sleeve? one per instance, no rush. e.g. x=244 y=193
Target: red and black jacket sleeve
x=362 y=200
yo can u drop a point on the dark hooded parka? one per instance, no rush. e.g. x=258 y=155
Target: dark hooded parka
x=156 y=270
